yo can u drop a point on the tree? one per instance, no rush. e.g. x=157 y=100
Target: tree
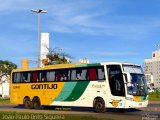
x=6 y=67
x=57 y=56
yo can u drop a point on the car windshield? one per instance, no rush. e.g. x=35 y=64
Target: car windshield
x=137 y=85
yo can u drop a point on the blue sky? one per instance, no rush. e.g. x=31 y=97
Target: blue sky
x=100 y=30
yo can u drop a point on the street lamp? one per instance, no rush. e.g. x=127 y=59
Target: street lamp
x=39 y=39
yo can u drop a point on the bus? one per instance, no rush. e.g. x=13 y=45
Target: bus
x=97 y=85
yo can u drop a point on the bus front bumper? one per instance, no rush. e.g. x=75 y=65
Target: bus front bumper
x=134 y=104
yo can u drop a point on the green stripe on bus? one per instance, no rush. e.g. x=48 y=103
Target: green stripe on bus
x=78 y=90
x=66 y=91
x=88 y=65
x=94 y=64
x=81 y=65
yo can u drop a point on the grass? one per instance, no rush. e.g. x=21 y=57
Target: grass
x=4 y=101
x=154 y=96
x=38 y=116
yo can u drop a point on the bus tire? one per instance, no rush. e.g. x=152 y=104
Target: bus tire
x=99 y=105
x=36 y=103
x=27 y=103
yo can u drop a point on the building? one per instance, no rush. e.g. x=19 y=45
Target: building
x=152 y=67
x=44 y=47
x=84 y=60
x=4 y=87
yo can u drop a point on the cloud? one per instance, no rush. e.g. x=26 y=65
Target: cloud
x=70 y=19
x=83 y=17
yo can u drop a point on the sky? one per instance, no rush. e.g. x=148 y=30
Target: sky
x=100 y=30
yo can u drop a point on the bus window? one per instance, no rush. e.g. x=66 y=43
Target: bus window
x=73 y=74
x=29 y=77
x=81 y=74
x=69 y=75
x=40 y=76
x=24 y=77
x=115 y=78
x=34 y=77
x=78 y=74
x=57 y=76
x=92 y=73
x=44 y=76
x=17 y=77
x=50 y=76
x=101 y=75
x=64 y=75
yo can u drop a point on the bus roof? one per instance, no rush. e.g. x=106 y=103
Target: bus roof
x=121 y=63
x=72 y=65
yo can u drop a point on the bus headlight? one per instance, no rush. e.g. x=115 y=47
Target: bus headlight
x=129 y=98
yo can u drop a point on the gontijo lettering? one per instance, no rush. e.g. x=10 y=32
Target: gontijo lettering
x=44 y=86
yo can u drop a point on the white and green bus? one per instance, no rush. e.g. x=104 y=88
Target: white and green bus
x=99 y=85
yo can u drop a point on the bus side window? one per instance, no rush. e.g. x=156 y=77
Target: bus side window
x=34 y=77
x=84 y=75
x=29 y=77
x=57 y=76
x=39 y=76
x=69 y=75
x=24 y=77
x=73 y=74
x=44 y=76
x=92 y=73
x=100 y=72
x=64 y=75
x=17 y=77
x=14 y=76
x=78 y=74
x=50 y=76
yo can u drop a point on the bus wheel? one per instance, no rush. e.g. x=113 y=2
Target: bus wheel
x=99 y=105
x=27 y=103
x=36 y=103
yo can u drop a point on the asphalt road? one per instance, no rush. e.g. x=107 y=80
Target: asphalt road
x=152 y=112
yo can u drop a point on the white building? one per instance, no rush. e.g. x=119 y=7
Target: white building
x=44 y=46
x=152 y=66
x=5 y=87
x=84 y=60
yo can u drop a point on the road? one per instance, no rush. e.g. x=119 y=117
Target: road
x=152 y=112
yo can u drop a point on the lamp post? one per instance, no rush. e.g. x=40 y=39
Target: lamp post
x=38 y=11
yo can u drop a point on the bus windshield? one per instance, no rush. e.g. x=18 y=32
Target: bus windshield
x=137 y=85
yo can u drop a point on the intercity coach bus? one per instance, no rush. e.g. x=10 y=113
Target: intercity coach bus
x=98 y=85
